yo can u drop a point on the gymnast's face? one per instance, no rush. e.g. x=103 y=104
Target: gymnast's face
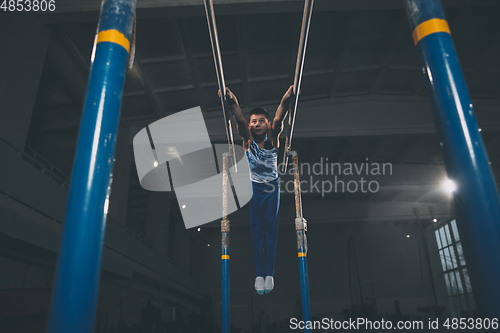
x=258 y=124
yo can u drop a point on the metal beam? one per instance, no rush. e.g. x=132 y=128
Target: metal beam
x=187 y=48
x=349 y=35
x=82 y=10
x=433 y=160
x=409 y=149
x=398 y=33
x=161 y=60
x=360 y=68
x=137 y=69
x=418 y=85
x=242 y=49
x=316 y=150
x=294 y=46
x=380 y=145
x=345 y=150
x=56 y=126
x=357 y=116
x=69 y=65
x=173 y=89
x=423 y=196
x=215 y=84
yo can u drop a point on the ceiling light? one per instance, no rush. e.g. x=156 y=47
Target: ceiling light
x=449 y=186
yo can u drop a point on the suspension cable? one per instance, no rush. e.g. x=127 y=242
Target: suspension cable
x=301 y=54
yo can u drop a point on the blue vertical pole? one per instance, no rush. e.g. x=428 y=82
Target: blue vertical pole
x=300 y=230
x=74 y=296
x=476 y=198
x=226 y=304
x=304 y=277
x=226 y=319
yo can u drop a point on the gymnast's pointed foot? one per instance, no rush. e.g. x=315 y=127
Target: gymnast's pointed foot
x=259 y=285
x=268 y=284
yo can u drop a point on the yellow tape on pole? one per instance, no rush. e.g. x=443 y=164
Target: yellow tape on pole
x=429 y=27
x=114 y=36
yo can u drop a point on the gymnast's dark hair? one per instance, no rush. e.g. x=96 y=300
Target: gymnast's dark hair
x=259 y=110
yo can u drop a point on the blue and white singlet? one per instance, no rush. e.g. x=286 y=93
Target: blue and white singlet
x=263 y=162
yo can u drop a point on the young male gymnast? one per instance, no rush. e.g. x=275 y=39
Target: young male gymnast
x=261 y=143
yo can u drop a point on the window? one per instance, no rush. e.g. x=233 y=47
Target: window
x=461 y=299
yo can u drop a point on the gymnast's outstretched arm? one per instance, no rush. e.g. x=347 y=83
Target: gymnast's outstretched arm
x=241 y=123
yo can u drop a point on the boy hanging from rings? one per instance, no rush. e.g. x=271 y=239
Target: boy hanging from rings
x=261 y=143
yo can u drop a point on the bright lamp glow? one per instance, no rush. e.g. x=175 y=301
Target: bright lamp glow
x=156 y=164
x=449 y=186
